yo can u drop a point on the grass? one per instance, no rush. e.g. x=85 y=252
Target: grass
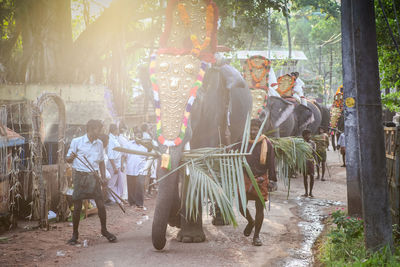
x=344 y=245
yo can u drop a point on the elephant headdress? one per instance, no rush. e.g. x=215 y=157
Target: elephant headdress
x=256 y=73
x=177 y=69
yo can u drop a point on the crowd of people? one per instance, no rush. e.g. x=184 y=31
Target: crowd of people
x=96 y=165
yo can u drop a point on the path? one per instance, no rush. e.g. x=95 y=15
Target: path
x=289 y=230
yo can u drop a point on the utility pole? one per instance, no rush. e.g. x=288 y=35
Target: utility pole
x=330 y=72
x=365 y=149
x=269 y=33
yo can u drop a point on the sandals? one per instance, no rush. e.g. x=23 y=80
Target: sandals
x=110 y=237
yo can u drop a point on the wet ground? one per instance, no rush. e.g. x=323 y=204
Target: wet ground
x=289 y=231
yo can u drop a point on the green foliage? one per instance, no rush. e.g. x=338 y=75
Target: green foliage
x=290 y=153
x=392 y=101
x=344 y=245
x=244 y=23
x=217 y=175
x=329 y=7
x=389 y=59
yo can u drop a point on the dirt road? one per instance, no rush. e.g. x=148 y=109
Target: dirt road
x=289 y=230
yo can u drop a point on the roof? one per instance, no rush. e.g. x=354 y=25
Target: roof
x=12 y=139
x=275 y=54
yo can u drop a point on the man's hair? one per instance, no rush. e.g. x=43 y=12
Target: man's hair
x=305 y=132
x=113 y=128
x=122 y=126
x=255 y=123
x=295 y=73
x=93 y=124
x=144 y=127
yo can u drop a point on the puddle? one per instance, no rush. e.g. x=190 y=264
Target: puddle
x=311 y=226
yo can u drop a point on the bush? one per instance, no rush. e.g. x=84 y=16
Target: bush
x=344 y=245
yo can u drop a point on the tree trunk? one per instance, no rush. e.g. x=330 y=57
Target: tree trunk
x=47 y=37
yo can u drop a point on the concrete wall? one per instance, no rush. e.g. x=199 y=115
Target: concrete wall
x=83 y=102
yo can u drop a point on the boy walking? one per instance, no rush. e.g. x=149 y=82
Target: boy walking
x=309 y=171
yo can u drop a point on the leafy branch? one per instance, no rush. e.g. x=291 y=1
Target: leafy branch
x=392 y=101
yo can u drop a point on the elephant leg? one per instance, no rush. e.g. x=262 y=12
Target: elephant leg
x=258 y=223
x=250 y=222
x=167 y=194
x=192 y=230
x=218 y=220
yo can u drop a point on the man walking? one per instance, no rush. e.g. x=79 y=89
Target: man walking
x=86 y=185
x=114 y=162
x=322 y=143
x=342 y=147
x=135 y=174
x=309 y=171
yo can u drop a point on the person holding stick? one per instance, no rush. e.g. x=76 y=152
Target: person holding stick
x=85 y=180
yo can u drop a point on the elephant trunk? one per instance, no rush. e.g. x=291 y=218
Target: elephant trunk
x=167 y=197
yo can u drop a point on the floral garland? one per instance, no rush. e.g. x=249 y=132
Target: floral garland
x=183 y=14
x=266 y=65
x=338 y=98
x=193 y=91
x=287 y=89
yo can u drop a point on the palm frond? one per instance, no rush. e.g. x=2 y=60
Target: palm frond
x=291 y=153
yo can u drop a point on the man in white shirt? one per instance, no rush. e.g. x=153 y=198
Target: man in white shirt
x=145 y=132
x=114 y=162
x=123 y=141
x=86 y=184
x=273 y=84
x=135 y=174
x=298 y=89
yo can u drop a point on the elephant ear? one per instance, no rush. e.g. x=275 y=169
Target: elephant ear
x=304 y=116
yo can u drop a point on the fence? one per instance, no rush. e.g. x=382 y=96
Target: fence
x=392 y=147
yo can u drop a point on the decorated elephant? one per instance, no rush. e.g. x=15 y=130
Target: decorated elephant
x=325 y=116
x=290 y=123
x=261 y=79
x=198 y=103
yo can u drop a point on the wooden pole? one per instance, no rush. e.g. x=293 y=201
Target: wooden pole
x=361 y=83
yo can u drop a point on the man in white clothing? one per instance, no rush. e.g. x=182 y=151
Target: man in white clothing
x=298 y=89
x=123 y=141
x=114 y=162
x=273 y=84
x=135 y=174
x=86 y=185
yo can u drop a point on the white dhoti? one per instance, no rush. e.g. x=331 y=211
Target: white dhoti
x=124 y=185
x=115 y=184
